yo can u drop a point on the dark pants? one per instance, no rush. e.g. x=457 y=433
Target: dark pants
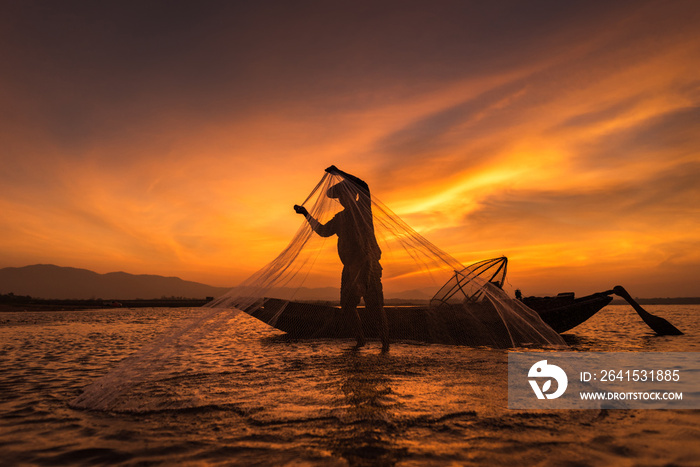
x=364 y=280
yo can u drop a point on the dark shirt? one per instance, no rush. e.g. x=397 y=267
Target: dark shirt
x=355 y=230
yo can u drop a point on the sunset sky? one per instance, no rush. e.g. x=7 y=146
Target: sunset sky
x=173 y=138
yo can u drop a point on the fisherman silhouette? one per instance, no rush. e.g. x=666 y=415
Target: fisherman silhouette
x=358 y=251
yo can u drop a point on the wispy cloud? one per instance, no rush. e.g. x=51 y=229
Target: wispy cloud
x=177 y=137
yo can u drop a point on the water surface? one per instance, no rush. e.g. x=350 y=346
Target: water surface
x=247 y=395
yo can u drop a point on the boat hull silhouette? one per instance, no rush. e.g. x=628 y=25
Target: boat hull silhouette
x=564 y=312
x=447 y=324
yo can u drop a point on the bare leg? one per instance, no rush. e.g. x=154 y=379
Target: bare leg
x=374 y=300
x=351 y=312
x=384 y=331
x=349 y=299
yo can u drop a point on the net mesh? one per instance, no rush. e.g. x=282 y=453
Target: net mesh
x=353 y=270
x=376 y=256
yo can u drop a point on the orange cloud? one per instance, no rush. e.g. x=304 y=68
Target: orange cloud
x=564 y=136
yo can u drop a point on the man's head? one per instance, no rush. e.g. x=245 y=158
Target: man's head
x=344 y=191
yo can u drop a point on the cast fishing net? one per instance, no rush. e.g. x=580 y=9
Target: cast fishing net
x=471 y=308
x=356 y=251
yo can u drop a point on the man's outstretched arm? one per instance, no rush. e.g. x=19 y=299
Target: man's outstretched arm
x=324 y=230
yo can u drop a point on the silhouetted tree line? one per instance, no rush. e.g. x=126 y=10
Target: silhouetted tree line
x=12 y=298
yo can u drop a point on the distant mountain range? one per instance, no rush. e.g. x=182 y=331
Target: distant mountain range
x=55 y=282
x=47 y=281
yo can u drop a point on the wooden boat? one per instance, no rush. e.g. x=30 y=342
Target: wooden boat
x=448 y=320
x=418 y=323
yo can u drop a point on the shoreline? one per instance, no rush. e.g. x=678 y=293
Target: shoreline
x=70 y=305
x=33 y=304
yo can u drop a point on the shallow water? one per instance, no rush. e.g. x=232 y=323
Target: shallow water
x=247 y=395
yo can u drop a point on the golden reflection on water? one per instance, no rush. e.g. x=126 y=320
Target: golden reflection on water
x=252 y=395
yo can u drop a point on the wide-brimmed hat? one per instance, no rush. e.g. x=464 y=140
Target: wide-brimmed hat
x=341 y=187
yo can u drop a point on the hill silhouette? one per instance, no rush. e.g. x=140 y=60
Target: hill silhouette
x=48 y=281
x=55 y=282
